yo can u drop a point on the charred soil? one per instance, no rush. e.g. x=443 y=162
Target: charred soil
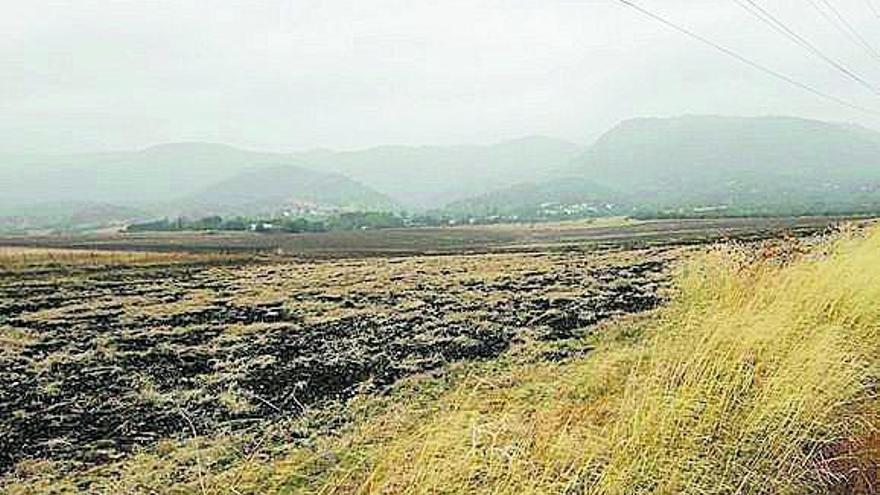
x=97 y=363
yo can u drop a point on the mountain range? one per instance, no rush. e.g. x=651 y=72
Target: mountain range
x=199 y=178
x=426 y=177
x=698 y=163
x=662 y=165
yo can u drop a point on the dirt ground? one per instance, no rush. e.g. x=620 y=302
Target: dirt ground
x=97 y=362
x=540 y=237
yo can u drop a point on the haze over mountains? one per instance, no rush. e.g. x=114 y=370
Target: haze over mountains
x=721 y=158
x=746 y=165
x=682 y=164
x=266 y=190
x=434 y=176
x=415 y=177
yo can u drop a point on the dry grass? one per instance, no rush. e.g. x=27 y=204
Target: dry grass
x=11 y=337
x=759 y=378
x=16 y=258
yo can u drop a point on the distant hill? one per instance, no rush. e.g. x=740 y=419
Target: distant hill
x=718 y=158
x=41 y=191
x=173 y=178
x=432 y=176
x=707 y=163
x=579 y=194
x=137 y=178
x=67 y=216
x=270 y=189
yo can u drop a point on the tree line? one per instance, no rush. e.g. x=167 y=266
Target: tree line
x=343 y=221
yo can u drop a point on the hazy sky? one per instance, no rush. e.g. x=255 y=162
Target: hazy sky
x=81 y=75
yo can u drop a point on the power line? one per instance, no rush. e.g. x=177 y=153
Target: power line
x=873 y=8
x=851 y=29
x=744 y=60
x=774 y=22
x=842 y=25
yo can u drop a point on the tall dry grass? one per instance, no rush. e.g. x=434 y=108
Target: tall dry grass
x=760 y=378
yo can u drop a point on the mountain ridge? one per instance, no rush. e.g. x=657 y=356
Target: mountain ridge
x=697 y=161
x=667 y=165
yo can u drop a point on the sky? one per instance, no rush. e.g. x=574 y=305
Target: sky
x=284 y=75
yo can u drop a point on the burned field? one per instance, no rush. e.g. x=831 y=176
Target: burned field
x=100 y=361
x=540 y=237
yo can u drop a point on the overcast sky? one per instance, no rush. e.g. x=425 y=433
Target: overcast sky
x=81 y=75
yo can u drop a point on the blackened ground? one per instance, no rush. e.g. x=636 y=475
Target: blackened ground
x=110 y=360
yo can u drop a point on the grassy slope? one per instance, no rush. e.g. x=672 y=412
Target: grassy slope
x=759 y=378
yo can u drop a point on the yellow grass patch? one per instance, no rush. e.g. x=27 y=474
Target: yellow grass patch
x=12 y=258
